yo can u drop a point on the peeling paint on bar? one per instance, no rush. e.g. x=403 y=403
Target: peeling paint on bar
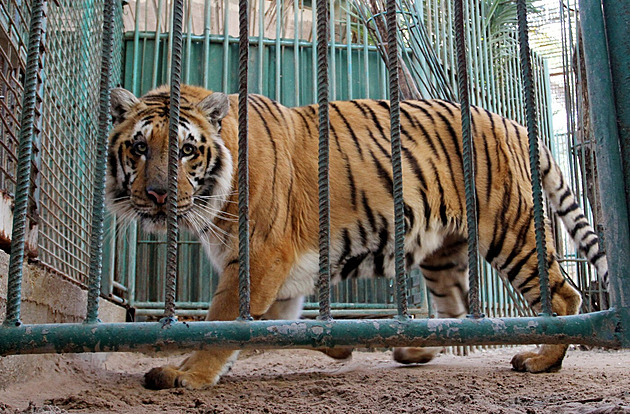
x=600 y=328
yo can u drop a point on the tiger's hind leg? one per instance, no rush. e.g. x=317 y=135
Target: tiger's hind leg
x=512 y=251
x=291 y=309
x=564 y=301
x=446 y=275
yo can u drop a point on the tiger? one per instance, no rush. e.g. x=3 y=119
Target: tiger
x=283 y=205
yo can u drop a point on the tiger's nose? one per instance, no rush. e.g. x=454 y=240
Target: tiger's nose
x=157 y=195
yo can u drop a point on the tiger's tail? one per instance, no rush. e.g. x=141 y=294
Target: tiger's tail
x=565 y=205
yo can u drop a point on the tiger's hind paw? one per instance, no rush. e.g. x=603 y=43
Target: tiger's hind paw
x=536 y=362
x=415 y=355
x=170 y=377
x=339 y=353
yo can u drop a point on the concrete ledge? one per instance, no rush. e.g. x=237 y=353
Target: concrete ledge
x=47 y=298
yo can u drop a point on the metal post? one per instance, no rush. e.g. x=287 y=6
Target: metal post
x=243 y=164
x=604 y=120
x=98 y=200
x=617 y=22
x=25 y=150
x=172 y=228
x=534 y=163
x=399 y=216
x=323 y=161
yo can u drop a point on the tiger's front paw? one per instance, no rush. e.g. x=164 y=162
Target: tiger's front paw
x=170 y=377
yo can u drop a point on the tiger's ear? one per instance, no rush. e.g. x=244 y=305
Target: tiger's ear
x=120 y=103
x=215 y=107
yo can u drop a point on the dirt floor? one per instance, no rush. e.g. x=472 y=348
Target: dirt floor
x=303 y=381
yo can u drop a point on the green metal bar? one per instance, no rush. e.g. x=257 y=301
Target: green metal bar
x=366 y=62
x=333 y=53
x=188 y=43
x=253 y=40
x=98 y=199
x=349 y=55
x=604 y=121
x=598 y=328
x=136 y=51
x=617 y=19
x=261 y=49
x=27 y=118
x=296 y=52
x=534 y=157
x=309 y=313
x=226 y=43
x=156 y=56
x=278 y=49
x=207 y=12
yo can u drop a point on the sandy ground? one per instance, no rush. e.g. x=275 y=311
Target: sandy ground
x=303 y=381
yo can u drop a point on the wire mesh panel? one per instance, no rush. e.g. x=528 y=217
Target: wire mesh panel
x=14 y=17
x=69 y=131
x=282 y=67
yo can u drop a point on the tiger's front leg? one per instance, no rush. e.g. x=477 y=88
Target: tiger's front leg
x=204 y=368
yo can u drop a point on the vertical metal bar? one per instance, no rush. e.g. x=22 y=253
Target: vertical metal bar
x=333 y=53
x=469 y=172
x=399 y=216
x=261 y=46
x=226 y=43
x=366 y=63
x=188 y=42
x=98 y=200
x=605 y=131
x=172 y=228
x=323 y=180
x=314 y=61
x=278 y=59
x=136 y=51
x=243 y=163
x=25 y=150
x=156 y=57
x=296 y=52
x=349 y=53
x=617 y=19
x=534 y=163
x=207 y=13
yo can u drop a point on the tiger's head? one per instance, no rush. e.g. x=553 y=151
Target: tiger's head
x=137 y=176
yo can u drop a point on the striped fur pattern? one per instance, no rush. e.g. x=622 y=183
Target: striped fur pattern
x=284 y=207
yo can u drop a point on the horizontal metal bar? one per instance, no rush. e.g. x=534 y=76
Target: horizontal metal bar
x=120 y=286
x=254 y=41
x=307 y=305
x=311 y=313
x=599 y=328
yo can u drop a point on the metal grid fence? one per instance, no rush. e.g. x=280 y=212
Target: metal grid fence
x=64 y=150
x=282 y=66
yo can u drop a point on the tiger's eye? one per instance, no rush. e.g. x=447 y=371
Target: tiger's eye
x=140 y=147
x=188 y=149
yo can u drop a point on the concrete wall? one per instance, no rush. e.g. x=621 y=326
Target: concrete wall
x=47 y=298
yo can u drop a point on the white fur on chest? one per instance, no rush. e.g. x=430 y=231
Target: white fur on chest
x=302 y=276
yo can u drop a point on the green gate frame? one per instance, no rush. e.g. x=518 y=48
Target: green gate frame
x=610 y=328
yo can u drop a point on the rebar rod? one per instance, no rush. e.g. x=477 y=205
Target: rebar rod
x=467 y=155
x=25 y=151
x=534 y=155
x=98 y=199
x=323 y=161
x=172 y=228
x=243 y=165
x=394 y=107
